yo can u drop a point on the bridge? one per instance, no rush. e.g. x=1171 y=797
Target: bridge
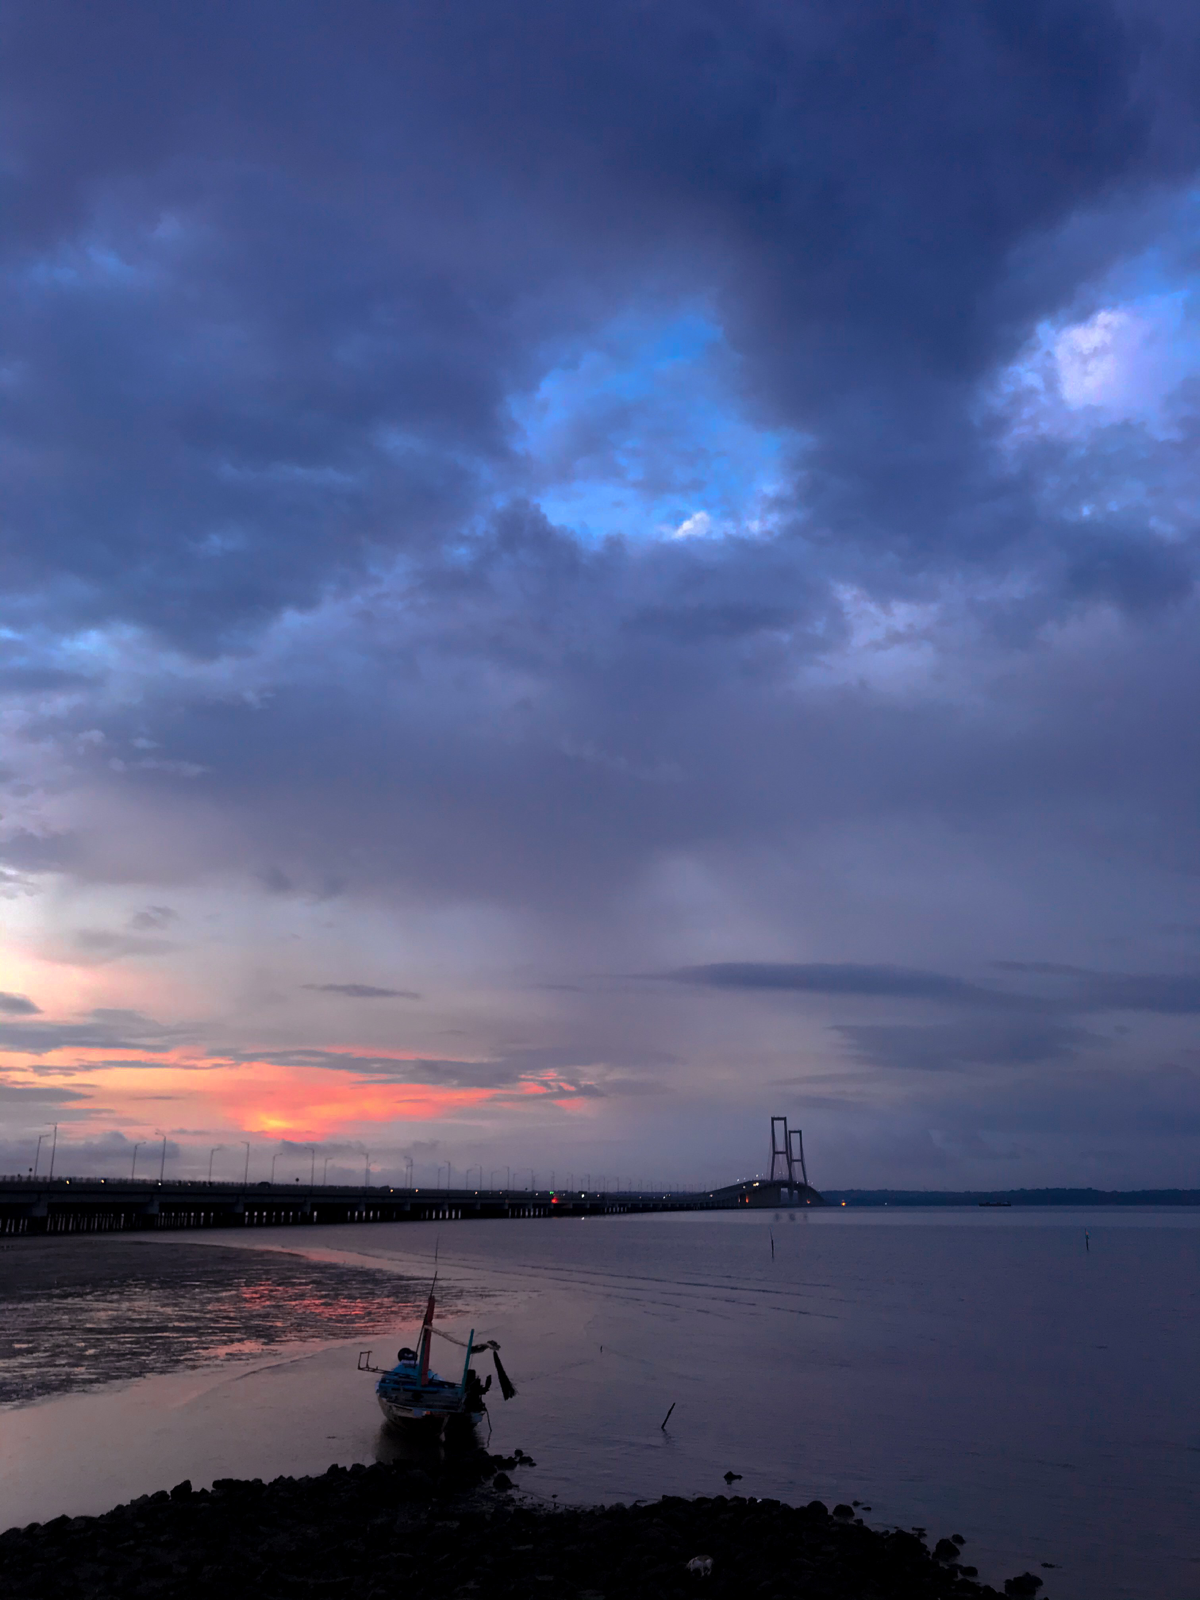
x=106 y=1205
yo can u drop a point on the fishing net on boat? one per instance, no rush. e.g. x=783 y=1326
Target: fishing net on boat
x=507 y=1387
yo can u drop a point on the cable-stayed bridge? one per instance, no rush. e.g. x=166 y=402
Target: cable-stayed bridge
x=30 y=1205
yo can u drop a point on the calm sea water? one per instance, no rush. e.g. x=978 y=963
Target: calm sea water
x=981 y=1373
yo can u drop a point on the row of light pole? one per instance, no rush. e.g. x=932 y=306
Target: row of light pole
x=602 y=1180
x=601 y=1185
x=139 y=1144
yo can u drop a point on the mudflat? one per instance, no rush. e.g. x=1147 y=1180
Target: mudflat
x=82 y=1311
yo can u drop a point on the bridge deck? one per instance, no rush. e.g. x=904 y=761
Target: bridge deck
x=87 y=1205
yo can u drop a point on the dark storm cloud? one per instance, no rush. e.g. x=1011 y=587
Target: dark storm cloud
x=361 y=991
x=474 y=753
x=273 y=275
x=30 y=852
x=1171 y=993
x=978 y=1042
x=38 y=1094
x=274 y=279
x=106 y=1029
x=21 y=680
x=846 y=978
x=17 y=1005
x=506 y=1072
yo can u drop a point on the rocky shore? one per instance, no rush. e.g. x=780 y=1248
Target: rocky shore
x=380 y=1532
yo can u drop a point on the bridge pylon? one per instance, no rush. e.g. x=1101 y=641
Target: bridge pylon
x=787 y=1157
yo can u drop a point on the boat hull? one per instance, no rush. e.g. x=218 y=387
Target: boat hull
x=428 y=1415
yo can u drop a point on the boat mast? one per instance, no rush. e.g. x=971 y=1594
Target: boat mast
x=427 y=1336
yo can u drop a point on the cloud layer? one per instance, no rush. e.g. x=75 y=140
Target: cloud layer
x=505 y=505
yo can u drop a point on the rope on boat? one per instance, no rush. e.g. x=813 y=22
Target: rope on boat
x=476 y=1349
x=507 y=1387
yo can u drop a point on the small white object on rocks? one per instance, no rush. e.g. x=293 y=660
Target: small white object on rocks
x=701 y=1566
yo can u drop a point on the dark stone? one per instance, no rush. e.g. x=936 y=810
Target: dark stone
x=945 y=1550
x=502 y=1481
x=1023 y=1583
x=414 y=1485
x=844 y=1511
x=958 y=1538
x=391 y=1531
x=182 y=1491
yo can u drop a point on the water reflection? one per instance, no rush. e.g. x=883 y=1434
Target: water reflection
x=78 y=1313
x=423 y=1448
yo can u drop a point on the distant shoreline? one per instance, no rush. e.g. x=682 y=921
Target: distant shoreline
x=1013 y=1197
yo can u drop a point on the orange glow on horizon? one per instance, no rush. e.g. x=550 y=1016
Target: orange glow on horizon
x=267 y=1098
x=316 y=1101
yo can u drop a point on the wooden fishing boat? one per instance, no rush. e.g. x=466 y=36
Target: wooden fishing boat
x=410 y=1393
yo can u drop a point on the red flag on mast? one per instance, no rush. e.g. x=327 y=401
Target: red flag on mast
x=426 y=1337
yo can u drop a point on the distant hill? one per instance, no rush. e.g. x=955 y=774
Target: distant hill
x=1013 y=1197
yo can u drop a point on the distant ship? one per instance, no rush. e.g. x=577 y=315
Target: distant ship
x=995 y=1202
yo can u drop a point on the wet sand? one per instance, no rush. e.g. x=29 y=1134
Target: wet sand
x=81 y=1312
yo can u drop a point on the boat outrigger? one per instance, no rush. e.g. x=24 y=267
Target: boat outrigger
x=411 y=1393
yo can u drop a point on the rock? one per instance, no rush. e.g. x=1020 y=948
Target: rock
x=958 y=1538
x=845 y=1512
x=945 y=1550
x=732 y=1477
x=1023 y=1583
x=395 y=1532
x=182 y=1491
x=502 y=1481
x=414 y=1485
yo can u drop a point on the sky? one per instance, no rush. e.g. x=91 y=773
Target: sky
x=578 y=577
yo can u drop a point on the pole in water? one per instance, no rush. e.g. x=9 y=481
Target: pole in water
x=1087 y=1240
x=772 y=1233
x=667 y=1418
